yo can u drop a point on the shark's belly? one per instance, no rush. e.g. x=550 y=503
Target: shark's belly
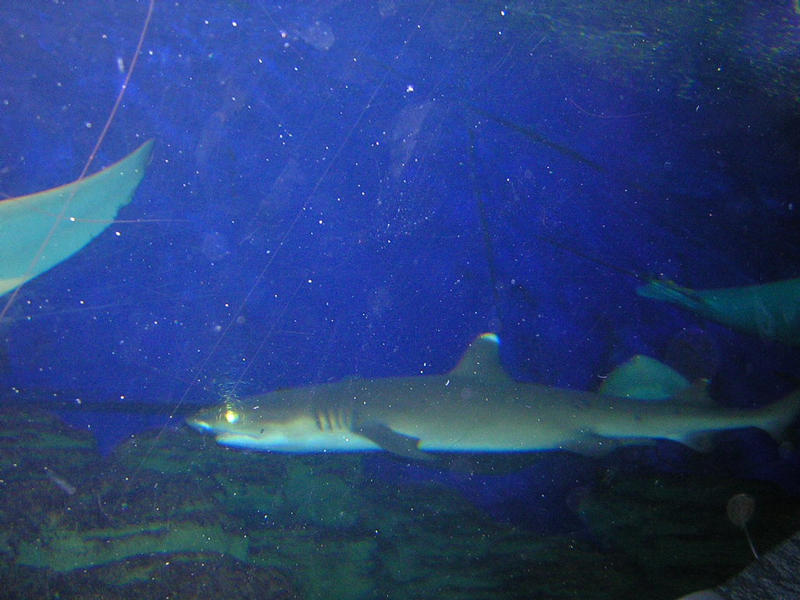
x=341 y=441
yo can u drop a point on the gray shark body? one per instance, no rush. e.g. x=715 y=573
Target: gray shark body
x=476 y=407
x=769 y=310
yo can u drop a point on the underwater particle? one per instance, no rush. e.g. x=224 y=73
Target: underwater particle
x=740 y=510
x=215 y=246
x=387 y=8
x=318 y=34
x=62 y=483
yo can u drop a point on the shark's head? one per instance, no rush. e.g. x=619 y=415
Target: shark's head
x=276 y=426
x=228 y=417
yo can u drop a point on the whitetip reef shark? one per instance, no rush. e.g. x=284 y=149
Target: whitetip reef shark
x=29 y=222
x=478 y=408
x=769 y=310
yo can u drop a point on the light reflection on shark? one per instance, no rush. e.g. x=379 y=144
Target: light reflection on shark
x=476 y=407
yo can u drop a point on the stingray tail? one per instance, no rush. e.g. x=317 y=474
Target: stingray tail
x=776 y=418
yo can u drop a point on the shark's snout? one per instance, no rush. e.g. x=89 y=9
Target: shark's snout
x=198 y=424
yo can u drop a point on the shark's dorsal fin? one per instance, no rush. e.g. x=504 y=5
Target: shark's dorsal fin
x=482 y=360
x=644 y=378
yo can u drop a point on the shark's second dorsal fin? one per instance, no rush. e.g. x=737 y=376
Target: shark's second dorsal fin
x=482 y=360
x=644 y=378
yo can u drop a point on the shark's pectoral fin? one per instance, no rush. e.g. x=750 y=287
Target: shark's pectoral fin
x=392 y=441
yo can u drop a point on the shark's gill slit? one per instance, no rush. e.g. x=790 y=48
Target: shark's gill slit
x=318 y=419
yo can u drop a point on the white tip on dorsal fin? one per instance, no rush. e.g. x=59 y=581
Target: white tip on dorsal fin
x=482 y=360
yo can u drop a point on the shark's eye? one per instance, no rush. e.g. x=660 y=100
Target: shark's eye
x=230 y=412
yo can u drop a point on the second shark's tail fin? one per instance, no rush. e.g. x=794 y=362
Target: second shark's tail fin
x=669 y=291
x=776 y=417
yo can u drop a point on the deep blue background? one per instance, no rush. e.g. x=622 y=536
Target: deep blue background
x=313 y=206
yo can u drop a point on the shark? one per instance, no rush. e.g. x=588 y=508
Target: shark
x=768 y=310
x=40 y=230
x=476 y=408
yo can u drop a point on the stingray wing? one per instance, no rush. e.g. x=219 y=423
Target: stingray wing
x=93 y=203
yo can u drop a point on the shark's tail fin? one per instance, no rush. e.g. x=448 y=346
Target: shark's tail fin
x=776 y=417
x=669 y=291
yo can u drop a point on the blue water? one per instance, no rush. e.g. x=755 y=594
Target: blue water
x=313 y=206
